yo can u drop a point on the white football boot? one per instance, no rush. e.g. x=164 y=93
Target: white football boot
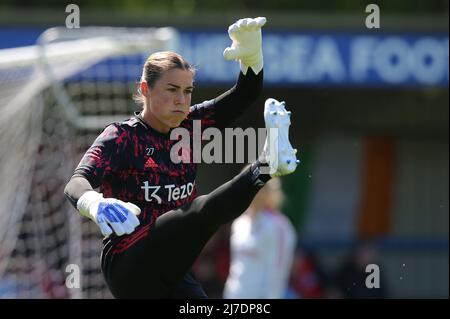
x=278 y=152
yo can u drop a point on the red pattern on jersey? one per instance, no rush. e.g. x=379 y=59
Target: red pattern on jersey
x=119 y=162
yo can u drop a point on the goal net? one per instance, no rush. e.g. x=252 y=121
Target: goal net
x=55 y=97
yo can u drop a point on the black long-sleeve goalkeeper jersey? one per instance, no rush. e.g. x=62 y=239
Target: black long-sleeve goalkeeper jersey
x=131 y=161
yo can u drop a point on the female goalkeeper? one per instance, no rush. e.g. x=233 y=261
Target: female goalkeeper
x=154 y=224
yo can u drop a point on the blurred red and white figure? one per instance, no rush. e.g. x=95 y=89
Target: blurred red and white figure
x=262 y=247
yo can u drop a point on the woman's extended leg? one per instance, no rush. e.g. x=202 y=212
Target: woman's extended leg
x=154 y=266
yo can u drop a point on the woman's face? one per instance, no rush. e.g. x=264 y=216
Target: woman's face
x=168 y=101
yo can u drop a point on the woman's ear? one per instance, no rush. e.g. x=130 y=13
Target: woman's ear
x=144 y=88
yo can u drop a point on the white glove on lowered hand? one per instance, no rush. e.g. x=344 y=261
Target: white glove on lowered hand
x=247 y=44
x=109 y=214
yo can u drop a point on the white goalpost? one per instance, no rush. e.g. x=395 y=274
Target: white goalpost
x=55 y=97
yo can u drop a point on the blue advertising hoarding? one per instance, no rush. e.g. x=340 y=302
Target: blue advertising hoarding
x=330 y=59
x=306 y=59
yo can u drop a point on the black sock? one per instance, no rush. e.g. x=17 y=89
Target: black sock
x=257 y=176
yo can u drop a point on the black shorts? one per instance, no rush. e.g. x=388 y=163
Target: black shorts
x=158 y=265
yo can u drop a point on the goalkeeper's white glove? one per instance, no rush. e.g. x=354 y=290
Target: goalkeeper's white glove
x=247 y=44
x=109 y=214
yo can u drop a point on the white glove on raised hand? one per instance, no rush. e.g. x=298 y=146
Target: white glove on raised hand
x=109 y=214
x=247 y=44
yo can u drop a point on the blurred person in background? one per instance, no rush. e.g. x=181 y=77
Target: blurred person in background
x=308 y=279
x=262 y=247
x=350 y=277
